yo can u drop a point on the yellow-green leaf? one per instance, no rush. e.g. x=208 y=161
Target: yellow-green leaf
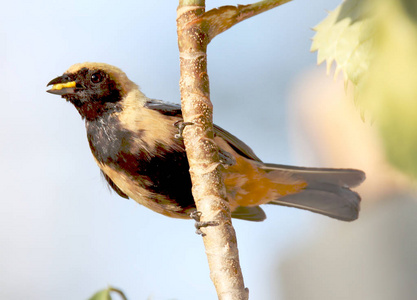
x=101 y=295
x=389 y=92
x=105 y=294
x=374 y=43
x=345 y=37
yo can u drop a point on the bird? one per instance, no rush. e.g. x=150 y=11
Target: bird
x=135 y=143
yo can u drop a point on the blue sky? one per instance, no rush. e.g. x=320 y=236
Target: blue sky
x=63 y=235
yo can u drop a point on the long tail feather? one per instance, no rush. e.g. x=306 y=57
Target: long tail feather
x=327 y=191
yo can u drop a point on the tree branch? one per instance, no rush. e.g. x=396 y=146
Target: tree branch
x=222 y=18
x=196 y=28
x=202 y=152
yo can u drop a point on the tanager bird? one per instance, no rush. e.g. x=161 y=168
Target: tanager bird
x=136 y=145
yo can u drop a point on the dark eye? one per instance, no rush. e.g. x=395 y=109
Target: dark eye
x=96 y=78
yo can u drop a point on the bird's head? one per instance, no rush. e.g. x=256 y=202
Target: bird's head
x=94 y=88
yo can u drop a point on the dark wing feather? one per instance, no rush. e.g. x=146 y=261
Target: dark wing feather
x=249 y=213
x=165 y=108
x=237 y=145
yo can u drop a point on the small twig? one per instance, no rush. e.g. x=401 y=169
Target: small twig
x=224 y=17
x=121 y=294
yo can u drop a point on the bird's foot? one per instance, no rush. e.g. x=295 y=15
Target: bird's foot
x=181 y=125
x=196 y=215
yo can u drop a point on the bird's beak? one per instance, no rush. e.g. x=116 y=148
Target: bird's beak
x=62 y=85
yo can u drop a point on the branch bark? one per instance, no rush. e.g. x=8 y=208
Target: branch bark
x=208 y=187
x=196 y=29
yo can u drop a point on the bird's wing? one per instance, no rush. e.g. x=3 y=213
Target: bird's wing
x=254 y=213
x=165 y=108
x=172 y=109
x=237 y=145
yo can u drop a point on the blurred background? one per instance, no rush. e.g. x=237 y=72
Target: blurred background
x=64 y=235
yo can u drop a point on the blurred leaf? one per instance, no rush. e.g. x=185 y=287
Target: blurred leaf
x=345 y=37
x=374 y=44
x=389 y=92
x=101 y=295
x=105 y=294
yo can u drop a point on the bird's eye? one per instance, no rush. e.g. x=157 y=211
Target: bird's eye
x=96 y=78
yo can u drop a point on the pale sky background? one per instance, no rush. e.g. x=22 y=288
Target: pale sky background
x=63 y=235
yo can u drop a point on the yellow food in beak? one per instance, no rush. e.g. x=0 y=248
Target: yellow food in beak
x=60 y=86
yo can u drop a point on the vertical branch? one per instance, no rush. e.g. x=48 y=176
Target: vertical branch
x=195 y=29
x=202 y=152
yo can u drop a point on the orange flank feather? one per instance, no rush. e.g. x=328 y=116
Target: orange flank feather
x=248 y=185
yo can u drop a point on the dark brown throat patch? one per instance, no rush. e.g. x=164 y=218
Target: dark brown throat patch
x=93 y=100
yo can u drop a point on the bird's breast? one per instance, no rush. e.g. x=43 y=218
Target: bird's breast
x=148 y=170
x=108 y=140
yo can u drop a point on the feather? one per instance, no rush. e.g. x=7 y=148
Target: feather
x=249 y=213
x=327 y=191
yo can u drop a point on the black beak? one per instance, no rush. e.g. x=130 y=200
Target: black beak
x=62 y=85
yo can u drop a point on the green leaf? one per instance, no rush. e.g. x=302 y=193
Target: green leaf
x=105 y=294
x=345 y=37
x=101 y=295
x=374 y=44
x=390 y=89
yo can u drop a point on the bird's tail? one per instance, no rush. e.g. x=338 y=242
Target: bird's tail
x=327 y=192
